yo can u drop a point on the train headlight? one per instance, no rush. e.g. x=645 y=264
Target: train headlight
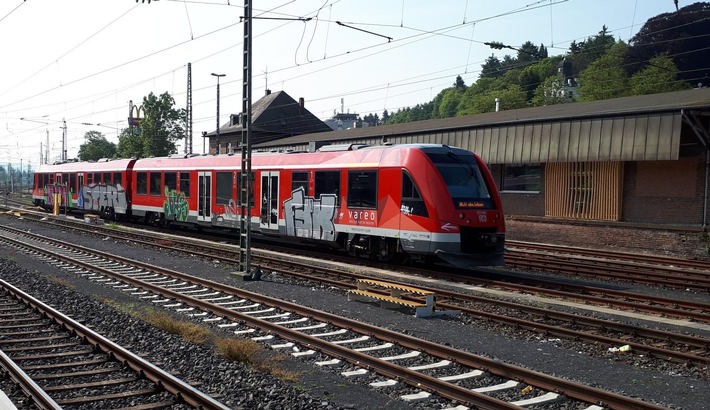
x=461 y=215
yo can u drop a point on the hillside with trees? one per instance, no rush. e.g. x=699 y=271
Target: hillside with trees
x=669 y=53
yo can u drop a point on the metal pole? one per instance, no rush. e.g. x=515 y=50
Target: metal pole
x=217 y=132
x=246 y=175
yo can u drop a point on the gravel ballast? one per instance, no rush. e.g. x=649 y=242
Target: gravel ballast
x=241 y=387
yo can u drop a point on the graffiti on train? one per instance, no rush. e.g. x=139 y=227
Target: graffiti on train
x=62 y=191
x=307 y=217
x=175 y=205
x=98 y=197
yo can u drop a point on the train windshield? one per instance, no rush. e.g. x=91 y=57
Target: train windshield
x=463 y=179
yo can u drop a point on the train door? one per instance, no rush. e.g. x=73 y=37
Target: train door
x=80 y=189
x=269 y=200
x=204 y=196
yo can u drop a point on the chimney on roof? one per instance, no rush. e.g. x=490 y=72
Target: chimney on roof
x=301 y=102
x=268 y=91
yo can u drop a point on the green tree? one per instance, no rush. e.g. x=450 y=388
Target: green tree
x=480 y=98
x=533 y=75
x=606 y=78
x=130 y=144
x=585 y=52
x=449 y=103
x=492 y=67
x=160 y=129
x=683 y=35
x=460 y=84
x=659 y=76
x=96 y=147
x=528 y=53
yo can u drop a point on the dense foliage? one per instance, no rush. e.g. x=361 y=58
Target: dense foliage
x=669 y=53
x=160 y=128
x=96 y=147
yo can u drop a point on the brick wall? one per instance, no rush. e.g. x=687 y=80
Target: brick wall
x=664 y=192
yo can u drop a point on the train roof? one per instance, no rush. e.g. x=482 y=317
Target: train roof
x=326 y=157
x=103 y=165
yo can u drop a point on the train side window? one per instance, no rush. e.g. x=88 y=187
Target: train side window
x=412 y=202
x=185 y=183
x=362 y=189
x=107 y=178
x=299 y=180
x=142 y=183
x=155 y=186
x=89 y=178
x=117 y=179
x=251 y=189
x=171 y=180
x=225 y=184
x=65 y=179
x=51 y=179
x=328 y=182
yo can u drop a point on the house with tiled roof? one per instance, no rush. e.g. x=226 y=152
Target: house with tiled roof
x=274 y=116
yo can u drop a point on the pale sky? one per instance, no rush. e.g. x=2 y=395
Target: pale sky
x=83 y=60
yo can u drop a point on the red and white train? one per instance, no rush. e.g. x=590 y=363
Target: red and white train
x=418 y=201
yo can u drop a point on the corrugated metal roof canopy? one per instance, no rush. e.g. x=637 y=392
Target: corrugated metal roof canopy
x=648 y=137
x=641 y=128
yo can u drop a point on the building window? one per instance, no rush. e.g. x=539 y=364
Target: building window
x=362 y=189
x=522 y=178
x=584 y=190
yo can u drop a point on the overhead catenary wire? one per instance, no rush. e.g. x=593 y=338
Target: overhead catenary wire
x=326 y=68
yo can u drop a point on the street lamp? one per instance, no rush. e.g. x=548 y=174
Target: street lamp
x=218 y=75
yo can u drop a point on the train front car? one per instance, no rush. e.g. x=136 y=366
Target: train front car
x=464 y=209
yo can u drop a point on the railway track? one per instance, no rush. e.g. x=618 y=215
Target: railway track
x=661 y=344
x=58 y=363
x=360 y=348
x=646 y=269
x=682 y=309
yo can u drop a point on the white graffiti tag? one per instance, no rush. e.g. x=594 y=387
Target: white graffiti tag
x=98 y=197
x=307 y=217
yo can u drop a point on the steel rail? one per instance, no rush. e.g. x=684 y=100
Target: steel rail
x=555 y=330
x=584 y=292
x=576 y=266
x=387 y=369
x=170 y=383
x=613 y=256
x=419 y=380
x=39 y=397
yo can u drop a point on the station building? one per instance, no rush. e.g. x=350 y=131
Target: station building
x=631 y=173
